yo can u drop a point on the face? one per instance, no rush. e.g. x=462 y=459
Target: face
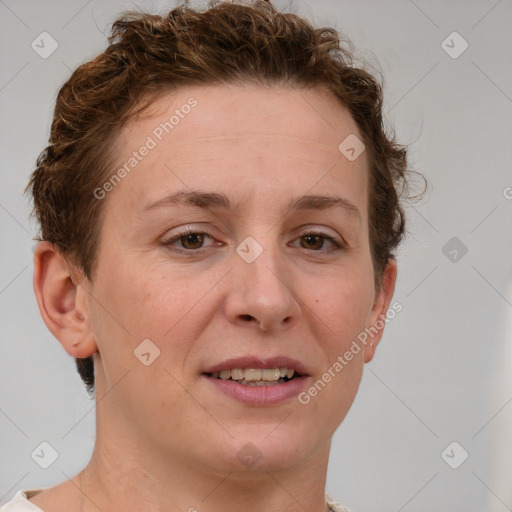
x=213 y=250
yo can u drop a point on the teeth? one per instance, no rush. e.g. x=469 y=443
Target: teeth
x=252 y=374
x=236 y=374
x=269 y=375
x=255 y=374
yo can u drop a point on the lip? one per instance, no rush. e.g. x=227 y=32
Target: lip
x=261 y=396
x=259 y=363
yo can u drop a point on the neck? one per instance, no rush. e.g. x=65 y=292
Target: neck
x=120 y=477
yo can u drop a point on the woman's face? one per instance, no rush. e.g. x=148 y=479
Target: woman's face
x=267 y=274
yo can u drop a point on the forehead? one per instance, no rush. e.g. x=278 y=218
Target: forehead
x=240 y=137
x=196 y=114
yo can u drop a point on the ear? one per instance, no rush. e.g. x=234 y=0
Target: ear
x=62 y=301
x=377 y=316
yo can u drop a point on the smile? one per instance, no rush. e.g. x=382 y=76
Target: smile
x=256 y=376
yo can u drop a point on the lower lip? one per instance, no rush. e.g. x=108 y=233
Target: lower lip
x=260 y=395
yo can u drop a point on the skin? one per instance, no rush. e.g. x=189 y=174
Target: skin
x=166 y=438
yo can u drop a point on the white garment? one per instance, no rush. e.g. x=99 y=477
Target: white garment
x=20 y=503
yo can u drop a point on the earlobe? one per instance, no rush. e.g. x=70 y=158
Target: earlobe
x=60 y=300
x=377 y=317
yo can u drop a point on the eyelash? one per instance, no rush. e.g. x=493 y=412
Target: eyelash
x=338 y=245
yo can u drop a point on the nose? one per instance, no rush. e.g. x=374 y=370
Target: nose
x=262 y=292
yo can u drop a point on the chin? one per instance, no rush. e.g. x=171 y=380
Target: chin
x=267 y=448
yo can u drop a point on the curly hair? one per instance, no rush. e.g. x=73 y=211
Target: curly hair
x=149 y=55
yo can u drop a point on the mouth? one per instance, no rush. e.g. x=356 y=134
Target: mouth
x=258 y=382
x=256 y=376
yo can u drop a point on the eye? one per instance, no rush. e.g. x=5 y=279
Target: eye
x=191 y=241
x=315 y=241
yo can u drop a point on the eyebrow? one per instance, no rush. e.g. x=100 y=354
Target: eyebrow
x=214 y=200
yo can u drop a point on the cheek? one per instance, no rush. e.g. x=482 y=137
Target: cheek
x=342 y=303
x=332 y=392
x=153 y=302
x=349 y=303
x=344 y=315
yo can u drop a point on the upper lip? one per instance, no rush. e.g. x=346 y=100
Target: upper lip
x=258 y=362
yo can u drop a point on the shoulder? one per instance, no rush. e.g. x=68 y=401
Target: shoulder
x=334 y=506
x=20 y=503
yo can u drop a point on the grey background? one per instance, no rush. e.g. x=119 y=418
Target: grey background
x=443 y=370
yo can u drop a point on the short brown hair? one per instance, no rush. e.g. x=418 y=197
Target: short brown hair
x=227 y=43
